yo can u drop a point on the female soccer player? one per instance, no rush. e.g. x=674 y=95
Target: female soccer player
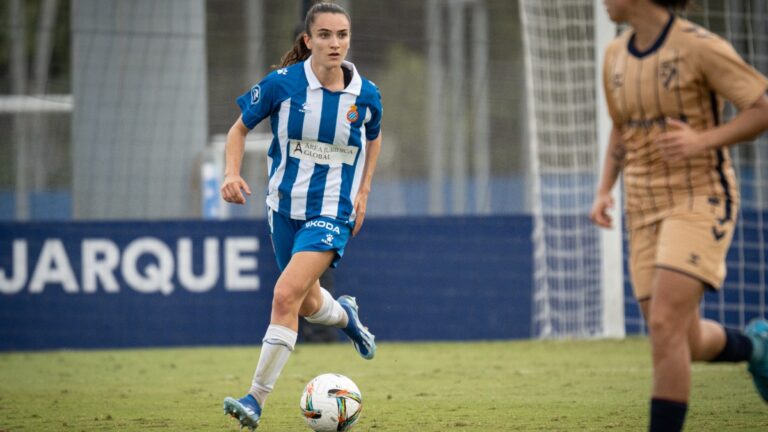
x=326 y=121
x=664 y=79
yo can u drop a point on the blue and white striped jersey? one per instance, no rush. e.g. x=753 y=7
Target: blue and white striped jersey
x=317 y=154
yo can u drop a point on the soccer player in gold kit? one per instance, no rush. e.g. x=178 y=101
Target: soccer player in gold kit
x=665 y=80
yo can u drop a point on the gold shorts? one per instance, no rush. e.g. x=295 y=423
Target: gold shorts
x=693 y=243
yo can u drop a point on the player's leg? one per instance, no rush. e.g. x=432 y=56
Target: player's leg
x=280 y=337
x=327 y=234
x=673 y=310
x=321 y=308
x=711 y=341
x=342 y=313
x=687 y=258
x=291 y=289
x=697 y=244
x=721 y=344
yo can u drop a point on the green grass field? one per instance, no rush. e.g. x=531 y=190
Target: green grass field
x=486 y=386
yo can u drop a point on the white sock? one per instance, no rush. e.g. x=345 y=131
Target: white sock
x=277 y=347
x=330 y=313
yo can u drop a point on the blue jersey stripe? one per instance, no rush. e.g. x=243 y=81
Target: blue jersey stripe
x=328 y=118
x=274 y=153
x=295 y=128
x=316 y=189
x=326 y=135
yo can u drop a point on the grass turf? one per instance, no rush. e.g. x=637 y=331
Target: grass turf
x=478 y=386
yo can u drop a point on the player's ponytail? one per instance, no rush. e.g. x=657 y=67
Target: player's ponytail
x=299 y=52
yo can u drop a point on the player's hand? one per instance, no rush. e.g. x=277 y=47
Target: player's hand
x=679 y=142
x=361 y=201
x=599 y=213
x=232 y=189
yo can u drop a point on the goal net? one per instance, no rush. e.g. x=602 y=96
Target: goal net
x=559 y=39
x=581 y=284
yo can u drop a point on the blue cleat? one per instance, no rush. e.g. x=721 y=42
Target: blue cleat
x=246 y=410
x=362 y=339
x=757 y=331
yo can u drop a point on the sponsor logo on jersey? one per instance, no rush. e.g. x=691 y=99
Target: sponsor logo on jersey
x=282 y=71
x=323 y=153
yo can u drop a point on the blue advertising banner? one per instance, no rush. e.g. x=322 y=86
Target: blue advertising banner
x=130 y=284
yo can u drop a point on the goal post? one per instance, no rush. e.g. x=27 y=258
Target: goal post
x=578 y=280
x=611 y=257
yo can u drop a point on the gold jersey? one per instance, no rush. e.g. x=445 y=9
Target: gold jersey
x=684 y=75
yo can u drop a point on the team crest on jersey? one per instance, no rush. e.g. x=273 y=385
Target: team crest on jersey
x=255 y=94
x=352 y=114
x=668 y=72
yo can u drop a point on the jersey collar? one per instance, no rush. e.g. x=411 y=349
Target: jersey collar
x=656 y=45
x=354 y=86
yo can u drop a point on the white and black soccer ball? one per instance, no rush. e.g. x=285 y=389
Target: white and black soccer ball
x=331 y=403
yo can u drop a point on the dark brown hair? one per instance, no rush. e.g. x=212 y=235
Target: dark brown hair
x=299 y=52
x=673 y=4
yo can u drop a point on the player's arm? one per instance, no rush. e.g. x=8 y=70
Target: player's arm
x=233 y=186
x=372 y=149
x=612 y=166
x=681 y=141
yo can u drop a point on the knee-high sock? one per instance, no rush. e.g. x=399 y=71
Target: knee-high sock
x=275 y=351
x=667 y=416
x=330 y=313
x=738 y=347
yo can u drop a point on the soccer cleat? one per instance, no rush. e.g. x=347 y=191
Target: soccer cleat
x=757 y=331
x=362 y=339
x=246 y=410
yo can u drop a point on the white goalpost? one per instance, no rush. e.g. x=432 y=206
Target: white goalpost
x=578 y=272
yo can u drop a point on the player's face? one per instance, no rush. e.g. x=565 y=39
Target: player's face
x=619 y=10
x=329 y=41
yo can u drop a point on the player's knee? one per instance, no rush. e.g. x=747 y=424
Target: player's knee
x=664 y=329
x=285 y=299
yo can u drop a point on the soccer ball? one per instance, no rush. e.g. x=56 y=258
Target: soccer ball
x=331 y=403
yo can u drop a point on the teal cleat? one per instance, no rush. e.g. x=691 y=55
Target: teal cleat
x=363 y=339
x=757 y=331
x=246 y=410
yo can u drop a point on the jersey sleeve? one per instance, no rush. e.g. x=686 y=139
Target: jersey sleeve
x=728 y=74
x=257 y=103
x=373 y=126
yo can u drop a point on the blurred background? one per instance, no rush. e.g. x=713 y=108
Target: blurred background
x=112 y=123
x=121 y=95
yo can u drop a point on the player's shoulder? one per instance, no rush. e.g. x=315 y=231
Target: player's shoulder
x=286 y=78
x=695 y=36
x=369 y=89
x=619 y=42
